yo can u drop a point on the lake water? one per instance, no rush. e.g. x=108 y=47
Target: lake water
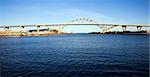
x=75 y=55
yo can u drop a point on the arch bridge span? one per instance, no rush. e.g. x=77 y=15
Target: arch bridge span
x=80 y=21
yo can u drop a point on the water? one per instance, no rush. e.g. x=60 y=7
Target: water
x=75 y=55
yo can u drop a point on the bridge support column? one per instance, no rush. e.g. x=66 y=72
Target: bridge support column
x=59 y=29
x=38 y=28
x=139 y=28
x=22 y=30
x=48 y=27
x=124 y=27
x=6 y=28
x=101 y=28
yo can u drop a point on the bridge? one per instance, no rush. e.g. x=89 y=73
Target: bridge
x=79 y=21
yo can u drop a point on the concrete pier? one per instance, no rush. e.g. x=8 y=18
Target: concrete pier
x=139 y=28
x=124 y=27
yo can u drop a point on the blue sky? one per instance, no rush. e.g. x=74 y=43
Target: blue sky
x=13 y=12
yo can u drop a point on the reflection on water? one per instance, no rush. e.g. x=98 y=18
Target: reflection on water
x=75 y=55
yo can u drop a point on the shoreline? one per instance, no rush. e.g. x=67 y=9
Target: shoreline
x=56 y=32
x=74 y=33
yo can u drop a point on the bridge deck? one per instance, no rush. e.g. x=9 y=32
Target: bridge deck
x=147 y=25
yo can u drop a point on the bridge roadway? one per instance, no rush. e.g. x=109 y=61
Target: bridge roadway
x=64 y=24
x=104 y=27
x=79 y=21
